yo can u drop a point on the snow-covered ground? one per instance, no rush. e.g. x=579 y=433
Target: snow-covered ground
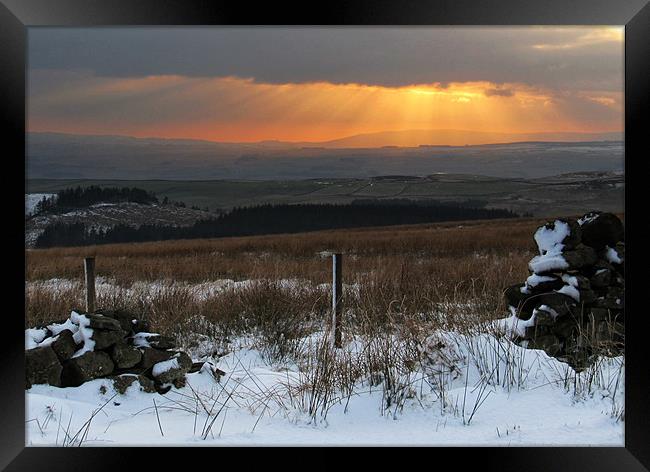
x=520 y=397
x=31 y=199
x=105 y=287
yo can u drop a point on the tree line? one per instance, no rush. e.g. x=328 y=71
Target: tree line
x=80 y=197
x=271 y=219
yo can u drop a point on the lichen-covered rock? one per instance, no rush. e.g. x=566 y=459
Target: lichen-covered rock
x=42 y=366
x=544 y=316
x=558 y=302
x=64 y=345
x=123 y=317
x=99 y=321
x=122 y=382
x=580 y=257
x=196 y=367
x=179 y=382
x=162 y=342
x=106 y=338
x=125 y=356
x=601 y=229
x=172 y=369
x=602 y=278
x=536 y=284
x=88 y=366
x=515 y=295
x=154 y=340
x=151 y=356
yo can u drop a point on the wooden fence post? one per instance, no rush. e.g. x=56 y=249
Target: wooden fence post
x=337 y=296
x=89 y=268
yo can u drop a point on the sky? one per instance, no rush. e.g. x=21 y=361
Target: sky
x=317 y=84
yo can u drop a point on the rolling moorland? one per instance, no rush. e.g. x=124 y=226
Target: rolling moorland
x=554 y=195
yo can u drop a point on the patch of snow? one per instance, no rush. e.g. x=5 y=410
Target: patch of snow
x=58 y=328
x=534 y=280
x=548 y=309
x=549 y=240
x=84 y=334
x=141 y=339
x=514 y=326
x=547 y=263
x=612 y=256
x=48 y=341
x=588 y=218
x=32 y=199
x=34 y=336
x=570 y=280
x=165 y=366
x=571 y=291
x=549 y=243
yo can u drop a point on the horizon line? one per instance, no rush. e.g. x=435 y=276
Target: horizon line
x=262 y=141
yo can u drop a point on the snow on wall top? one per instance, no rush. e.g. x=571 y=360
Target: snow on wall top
x=549 y=237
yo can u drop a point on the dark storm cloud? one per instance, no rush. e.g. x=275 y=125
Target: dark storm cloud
x=558 y=58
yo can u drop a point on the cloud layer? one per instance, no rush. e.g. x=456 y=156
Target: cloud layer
x=322 y=83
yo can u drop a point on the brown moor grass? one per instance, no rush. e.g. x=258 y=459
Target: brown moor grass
x=403 y=271
x=287 y=256
x=399 y=272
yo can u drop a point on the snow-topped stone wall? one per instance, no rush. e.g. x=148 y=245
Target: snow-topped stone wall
x=572 y=305
x=113 y=344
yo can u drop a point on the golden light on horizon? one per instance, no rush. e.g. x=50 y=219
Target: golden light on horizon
x=234 y=109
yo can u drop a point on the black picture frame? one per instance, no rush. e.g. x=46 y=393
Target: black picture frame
x=17 y=15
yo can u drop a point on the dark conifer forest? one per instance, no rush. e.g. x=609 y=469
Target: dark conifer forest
x=273 y=219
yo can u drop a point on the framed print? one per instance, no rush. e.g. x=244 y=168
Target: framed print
x=362 y=225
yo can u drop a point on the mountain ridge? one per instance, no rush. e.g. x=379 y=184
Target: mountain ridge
x=406 y=138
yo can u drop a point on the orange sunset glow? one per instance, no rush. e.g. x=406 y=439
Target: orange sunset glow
x=238 y=108
x=325 y=111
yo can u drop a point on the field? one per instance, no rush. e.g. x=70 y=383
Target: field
x=419 y=265
x=422 y=352
x=566 y=194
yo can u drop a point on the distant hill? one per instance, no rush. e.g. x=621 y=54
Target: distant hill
x=65 y=156
x=454 y=137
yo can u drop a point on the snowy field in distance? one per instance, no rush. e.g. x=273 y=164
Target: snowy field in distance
x=31 y=199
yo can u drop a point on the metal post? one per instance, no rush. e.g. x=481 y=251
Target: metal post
x=89 y=268
x=337 y=296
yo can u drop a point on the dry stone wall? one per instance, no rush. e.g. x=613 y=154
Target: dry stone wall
x=114 y=344
x=573 y=304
